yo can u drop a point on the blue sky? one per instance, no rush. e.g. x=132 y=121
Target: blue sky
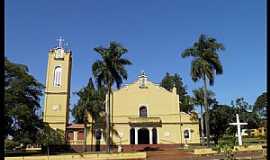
x=155 y=33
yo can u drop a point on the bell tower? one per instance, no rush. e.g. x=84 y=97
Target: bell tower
x=57 y=91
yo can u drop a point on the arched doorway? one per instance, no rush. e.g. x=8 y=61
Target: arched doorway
x=154 y=138
x=143 y=136
x=98 y=137
x=132 y=136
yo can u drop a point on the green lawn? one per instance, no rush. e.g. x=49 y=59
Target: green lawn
x=253 y=140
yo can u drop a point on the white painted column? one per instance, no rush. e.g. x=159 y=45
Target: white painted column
x=136 y=135
x=150 y=136
x=75 y=135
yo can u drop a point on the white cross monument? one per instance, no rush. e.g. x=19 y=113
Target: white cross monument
x=238 y=124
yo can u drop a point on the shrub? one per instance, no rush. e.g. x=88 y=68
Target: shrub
x=10 y=144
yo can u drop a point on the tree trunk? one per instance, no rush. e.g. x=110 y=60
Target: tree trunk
x=92 y=136
x=202 y=126
x=84 y=142
x=48 y=151
x=206 y=111
x=84 y=134
x=108 y=120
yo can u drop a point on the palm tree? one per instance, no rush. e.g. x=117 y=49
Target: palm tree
x=198 y=99
x=205 y=65
x=110 y=70
x=187 y=104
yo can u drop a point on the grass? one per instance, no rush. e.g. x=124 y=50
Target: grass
x=253 y=140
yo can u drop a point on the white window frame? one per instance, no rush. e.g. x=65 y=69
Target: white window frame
x=189 y=132
x=144 y=105
x=57 y=76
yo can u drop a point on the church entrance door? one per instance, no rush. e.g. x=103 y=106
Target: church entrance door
x=143 y=136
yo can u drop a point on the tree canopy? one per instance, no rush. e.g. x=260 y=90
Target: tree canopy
x=22 y=97
x=220 y=117
x=91 y=100
x=111 y=68
x=169 y=81
x=246 y=113
x=260 y=105
x=205 y=58
x=198 y=96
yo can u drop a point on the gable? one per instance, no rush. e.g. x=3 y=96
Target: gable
x=159 y=101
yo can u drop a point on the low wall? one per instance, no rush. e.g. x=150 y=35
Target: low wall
x=202 y=151
x=125 y=148
x=94 y=156
x=255 y=147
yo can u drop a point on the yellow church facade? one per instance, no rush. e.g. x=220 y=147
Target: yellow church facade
x=141 y=112
x=146 y=113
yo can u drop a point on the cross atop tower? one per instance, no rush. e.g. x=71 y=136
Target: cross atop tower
x=60 y=42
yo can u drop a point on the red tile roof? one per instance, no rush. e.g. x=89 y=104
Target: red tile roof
x=75 y=126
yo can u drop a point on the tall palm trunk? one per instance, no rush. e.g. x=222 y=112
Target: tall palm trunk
x=202 y=126
x=108 y=120
x=206 y=111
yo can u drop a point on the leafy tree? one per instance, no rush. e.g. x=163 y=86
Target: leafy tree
x=91 y=101
x=241 y=105
x=251 y=118
x=198 y=99
x=205 y=65
x=22 y=97
x=110 y=70
x=260 y=105
x=169 y=81
x=46 y=136
x=246 y=113
x=10 y=144
x=220 y=117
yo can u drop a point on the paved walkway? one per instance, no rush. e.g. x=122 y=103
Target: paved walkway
x=167 y=155
x=180 y=155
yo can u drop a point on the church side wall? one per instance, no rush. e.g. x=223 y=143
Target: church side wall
x=195 y=135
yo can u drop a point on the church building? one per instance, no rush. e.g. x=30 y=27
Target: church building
x=142 y=113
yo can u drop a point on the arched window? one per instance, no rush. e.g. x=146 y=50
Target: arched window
x=98 y=134
x=187 y=134
x=70 y=135
x=80 y=135
x=57 y=76
x=143 y=111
